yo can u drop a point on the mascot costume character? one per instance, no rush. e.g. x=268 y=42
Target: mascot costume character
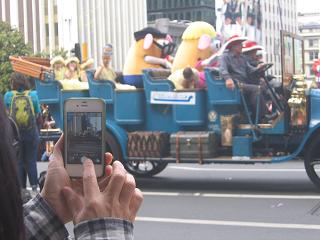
x=199 y=48
x=149 y=50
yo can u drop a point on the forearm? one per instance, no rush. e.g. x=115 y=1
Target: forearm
x=41 y=222
x=97 y=73
x=104 y=228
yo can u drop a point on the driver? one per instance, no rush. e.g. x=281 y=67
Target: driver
x=235 y=68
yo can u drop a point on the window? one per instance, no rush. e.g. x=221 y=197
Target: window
x=313 y=55
x=313 y=43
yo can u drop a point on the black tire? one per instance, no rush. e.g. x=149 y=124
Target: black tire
x=136 y=168
x=312 y=160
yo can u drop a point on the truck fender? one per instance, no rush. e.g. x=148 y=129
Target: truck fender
x=312 y=133
x=120 y=135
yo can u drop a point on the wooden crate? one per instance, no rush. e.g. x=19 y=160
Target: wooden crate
x=28 y=68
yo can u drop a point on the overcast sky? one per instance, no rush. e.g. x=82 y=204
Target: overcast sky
x=308 y=6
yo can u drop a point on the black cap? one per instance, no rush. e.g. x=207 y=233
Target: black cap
x=153 y=31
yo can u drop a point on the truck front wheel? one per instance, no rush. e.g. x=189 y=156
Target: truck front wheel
x=312 y=161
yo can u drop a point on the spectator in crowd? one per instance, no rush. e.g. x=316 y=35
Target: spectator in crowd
x=23 y=106
x=105 y=71
x=58 y=66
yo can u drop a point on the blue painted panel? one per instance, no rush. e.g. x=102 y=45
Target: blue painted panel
x=192 y=115
x=48 y=90
x=103 y=89
x=129 y=107
x=151 y=84
x=120 y=134
x=218 y=92
x=314 y=107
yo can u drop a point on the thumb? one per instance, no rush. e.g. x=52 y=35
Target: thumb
x=73 y=200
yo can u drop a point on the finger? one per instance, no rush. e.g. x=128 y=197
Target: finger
x=56 y=156
x=108 y=158
x=103 y=182
x=73 y=200
x=90 y=184
x=135 y=204
x=117 y=179
x=127 y=190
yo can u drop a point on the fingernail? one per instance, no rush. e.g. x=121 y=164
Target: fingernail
x=83 y=159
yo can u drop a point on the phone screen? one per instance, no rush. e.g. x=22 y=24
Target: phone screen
x=84 y=137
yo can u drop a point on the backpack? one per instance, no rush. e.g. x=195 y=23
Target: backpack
x=22 y=110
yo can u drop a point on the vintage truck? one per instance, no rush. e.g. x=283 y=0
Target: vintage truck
x=151 y=127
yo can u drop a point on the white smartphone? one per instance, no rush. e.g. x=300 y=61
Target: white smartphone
x=84 y=134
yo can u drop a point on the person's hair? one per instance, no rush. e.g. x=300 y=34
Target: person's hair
x=19 y=81
x=11 y=217
x=188 y=73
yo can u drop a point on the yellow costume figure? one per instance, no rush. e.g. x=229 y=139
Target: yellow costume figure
x=195 y=46
x=58 y=66
x=148 y=51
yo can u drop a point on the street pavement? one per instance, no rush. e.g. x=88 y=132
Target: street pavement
x=266 y=202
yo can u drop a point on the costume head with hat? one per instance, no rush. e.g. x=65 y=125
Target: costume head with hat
x=73 y=68
x=196 y=45
x=58 y=65
x=148 y=51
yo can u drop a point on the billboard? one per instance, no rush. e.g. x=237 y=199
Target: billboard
x=239 y=17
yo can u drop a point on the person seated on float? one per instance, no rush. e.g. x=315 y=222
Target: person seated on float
x=249 y=51
x=105 y=71
x=86 y=66
x=186 y=78
x=235 y=68
x=73 y=69
x=58 y=67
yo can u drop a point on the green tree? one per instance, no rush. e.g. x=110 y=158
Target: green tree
x=11 y=44
x=57 y=52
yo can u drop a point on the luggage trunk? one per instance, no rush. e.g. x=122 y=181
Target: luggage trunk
x=187 y=145
x=148 y=144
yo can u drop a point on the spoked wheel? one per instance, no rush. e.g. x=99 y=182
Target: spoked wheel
x=312 y=161
x=145 y=168
x=136 y=168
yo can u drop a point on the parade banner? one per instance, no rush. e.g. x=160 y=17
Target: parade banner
x=174 y=98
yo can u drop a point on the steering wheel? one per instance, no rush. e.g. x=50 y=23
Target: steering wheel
x=264 y=68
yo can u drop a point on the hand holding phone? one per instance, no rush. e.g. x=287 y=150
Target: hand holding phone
x=84 y=131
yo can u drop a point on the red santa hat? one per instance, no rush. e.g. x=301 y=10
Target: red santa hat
x=248 y=46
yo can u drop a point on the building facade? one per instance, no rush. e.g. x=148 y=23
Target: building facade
x=192 y=10
x=55 y=24
x=260 y=21
x=309 y=28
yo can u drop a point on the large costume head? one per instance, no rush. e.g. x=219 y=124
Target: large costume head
x=149 y=42
x=196 y=45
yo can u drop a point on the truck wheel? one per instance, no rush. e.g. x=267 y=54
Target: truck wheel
x=136 y=168
x=312 y=161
